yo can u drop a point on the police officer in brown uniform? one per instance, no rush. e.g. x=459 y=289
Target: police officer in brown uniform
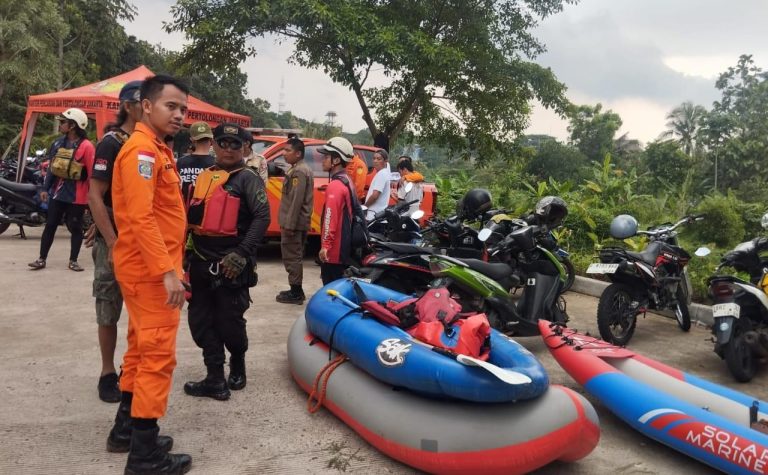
x=294 y=218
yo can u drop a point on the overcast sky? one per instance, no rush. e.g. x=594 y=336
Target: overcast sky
x=639 y=58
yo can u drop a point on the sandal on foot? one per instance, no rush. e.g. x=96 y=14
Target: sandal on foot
x=73 y=265
x=37 y=265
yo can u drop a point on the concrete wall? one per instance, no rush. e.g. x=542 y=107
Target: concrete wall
x=699 y=313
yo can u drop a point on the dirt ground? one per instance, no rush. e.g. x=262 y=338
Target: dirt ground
x=53 y=422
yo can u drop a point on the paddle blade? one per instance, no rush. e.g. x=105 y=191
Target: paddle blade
x=506 y=375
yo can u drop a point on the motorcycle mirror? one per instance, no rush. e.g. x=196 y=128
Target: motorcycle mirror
x=702 y=251
x=764 y=221
x=39 y=153
x=417 y=215
x=408 y=187
x=484 y=234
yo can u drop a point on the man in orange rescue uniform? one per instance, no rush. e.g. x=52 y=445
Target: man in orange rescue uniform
x=151 y=224
x=357 y=171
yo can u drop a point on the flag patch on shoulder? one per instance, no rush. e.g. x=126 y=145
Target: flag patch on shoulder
x=146 y=164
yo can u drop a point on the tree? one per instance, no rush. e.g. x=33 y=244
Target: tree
x=457 y=70
x=736 y=130
x=684 y=122
x=592 y=130
x=27 y=60
x=667 y=163
x=89 y=49
x=557 y=161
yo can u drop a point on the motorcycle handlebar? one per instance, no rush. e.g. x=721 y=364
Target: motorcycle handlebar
x=667 y=229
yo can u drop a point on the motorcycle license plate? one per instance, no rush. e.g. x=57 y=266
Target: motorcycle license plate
x=600 y=268
x=726 y=310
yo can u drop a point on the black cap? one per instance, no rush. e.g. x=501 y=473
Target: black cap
x=228 y=131
x=131 y=91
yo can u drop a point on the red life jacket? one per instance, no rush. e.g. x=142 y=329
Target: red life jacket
x=435 y=318
x=213 y=211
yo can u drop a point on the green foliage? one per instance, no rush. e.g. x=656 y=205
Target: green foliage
x=592 y=131
x=724 y=225
x=457 y=72
x=27 y=59
x=736 y=130
x=667 y=163
x=684 y=124
x=558 y=161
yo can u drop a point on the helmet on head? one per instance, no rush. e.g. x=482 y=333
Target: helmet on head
x=339 y=146
x=764 y=221
x=551 y=211
x=474 y=203
x=77 y=116
x=623 y=226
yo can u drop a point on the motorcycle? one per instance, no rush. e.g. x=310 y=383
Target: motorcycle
x=34 y=169
x=740 y=309
x=653 y=279
x=393 y=224
x=479 y=285
x=20 y=204
x=501 y=224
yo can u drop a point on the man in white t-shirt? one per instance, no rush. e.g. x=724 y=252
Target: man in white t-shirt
x=377 y=198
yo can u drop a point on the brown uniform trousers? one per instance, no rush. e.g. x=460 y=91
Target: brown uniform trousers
x=294 y=218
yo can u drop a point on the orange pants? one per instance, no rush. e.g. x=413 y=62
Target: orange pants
x=149 y=361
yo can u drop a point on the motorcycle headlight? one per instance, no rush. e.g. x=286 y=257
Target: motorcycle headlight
x=724 y=327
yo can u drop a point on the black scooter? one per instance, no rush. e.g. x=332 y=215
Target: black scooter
x=740 y=309
x=20 y=204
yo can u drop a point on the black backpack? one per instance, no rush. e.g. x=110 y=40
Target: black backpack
x=359 y=238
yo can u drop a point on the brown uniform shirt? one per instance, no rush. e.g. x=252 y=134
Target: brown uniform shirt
x=297 y=201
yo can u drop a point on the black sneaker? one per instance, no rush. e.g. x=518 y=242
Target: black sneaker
x=109 y=391
x=289 y=296
x=206 y=388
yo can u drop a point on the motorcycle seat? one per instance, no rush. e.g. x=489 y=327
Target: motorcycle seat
x=648 y=255
x=405 y=248
x=495 y=270
x=26 y=188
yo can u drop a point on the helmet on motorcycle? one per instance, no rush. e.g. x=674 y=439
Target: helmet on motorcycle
x=475 y=202
x=623 y=226
x=764 y=221
x=77 y=116
x=551 y=211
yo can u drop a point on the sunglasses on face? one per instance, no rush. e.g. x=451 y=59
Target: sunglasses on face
x=229 y=144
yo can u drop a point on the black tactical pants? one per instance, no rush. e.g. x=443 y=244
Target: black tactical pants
x=216 y=314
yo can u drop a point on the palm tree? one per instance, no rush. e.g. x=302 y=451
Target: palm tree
x=684 y=123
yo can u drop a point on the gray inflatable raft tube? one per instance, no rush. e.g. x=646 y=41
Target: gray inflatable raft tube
x=449 y=437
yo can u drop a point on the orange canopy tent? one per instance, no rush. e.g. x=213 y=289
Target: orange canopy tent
x=100 y=102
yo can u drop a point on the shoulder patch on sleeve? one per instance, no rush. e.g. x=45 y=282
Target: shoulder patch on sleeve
x=146 y=164
x=100 y=164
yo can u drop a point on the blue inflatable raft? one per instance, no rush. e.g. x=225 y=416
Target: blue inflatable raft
x=391 y=355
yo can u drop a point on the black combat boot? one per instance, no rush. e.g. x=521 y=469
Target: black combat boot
x=119 y=440
x=236 y=380
x=213 y=386
x=294 y=296
x=146 y=456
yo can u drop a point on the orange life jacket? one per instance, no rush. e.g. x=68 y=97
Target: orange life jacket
x=213 y=211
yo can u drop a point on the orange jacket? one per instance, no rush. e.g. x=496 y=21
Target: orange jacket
x=149 y=211
x=357 y=171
